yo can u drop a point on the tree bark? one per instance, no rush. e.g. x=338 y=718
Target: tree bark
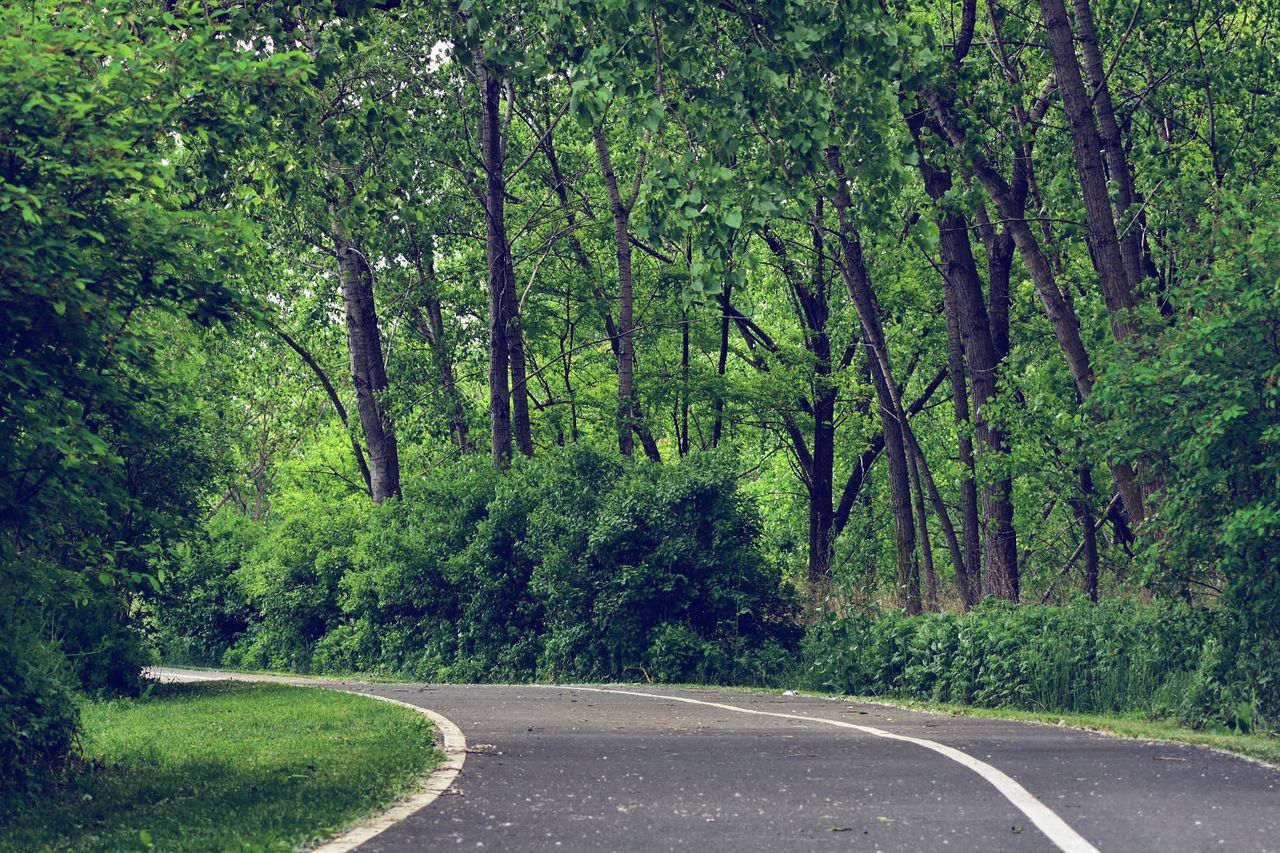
x=722 y=364
x=926 y=547
x=495 y=254
x=510 y=417
x=368 y=369
x=1085 y=514
x=1104 y=243
x=626 y=346
x=853 y=270
x=1130 y=218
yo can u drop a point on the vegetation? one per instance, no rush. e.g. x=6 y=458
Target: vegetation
x=226 y=766
x=657 y=573
x=569 y=339
x=1197 y=666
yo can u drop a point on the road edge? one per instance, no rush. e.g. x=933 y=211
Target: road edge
x=452 y=744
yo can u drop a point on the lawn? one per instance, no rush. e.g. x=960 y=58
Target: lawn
x=226 y=766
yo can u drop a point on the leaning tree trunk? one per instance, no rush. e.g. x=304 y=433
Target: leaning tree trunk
x=1062 y=317
x=368 y=369
x=1104 y=243
x=853 y=269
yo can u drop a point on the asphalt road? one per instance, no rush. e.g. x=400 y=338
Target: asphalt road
x=568 y=768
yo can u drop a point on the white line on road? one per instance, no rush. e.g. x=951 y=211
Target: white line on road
x=1044 y=818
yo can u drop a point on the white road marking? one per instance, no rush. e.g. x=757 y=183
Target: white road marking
x=435 y=784
x=1045 y=819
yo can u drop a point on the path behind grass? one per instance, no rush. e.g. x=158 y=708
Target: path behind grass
x=226 y=766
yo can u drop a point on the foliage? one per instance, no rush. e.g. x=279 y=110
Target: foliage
x=657 y=573
x=1165 y=661
x=111 y=122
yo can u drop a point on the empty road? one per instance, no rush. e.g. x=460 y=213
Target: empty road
x=661 y=769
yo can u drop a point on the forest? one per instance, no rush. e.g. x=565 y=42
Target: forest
x=928 y=350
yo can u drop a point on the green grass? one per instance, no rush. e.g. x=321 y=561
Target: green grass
x=227 y=766
x=1262 y=747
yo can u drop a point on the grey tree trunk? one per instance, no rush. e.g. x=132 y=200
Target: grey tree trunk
x=368 y=369
x=626 y=346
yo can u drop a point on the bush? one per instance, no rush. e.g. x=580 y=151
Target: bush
x=649 y=571
x=39 y=718
x=1200 y=665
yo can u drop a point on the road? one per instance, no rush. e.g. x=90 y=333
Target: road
x=664 y=769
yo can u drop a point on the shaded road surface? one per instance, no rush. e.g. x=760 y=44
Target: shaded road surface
x=566 y=769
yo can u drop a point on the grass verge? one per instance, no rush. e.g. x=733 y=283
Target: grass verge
x=226 y=766
x=1261 y=747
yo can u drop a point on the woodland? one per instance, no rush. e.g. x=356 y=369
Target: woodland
x=925 y=349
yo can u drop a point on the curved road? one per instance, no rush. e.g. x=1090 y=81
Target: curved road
x=658 y=769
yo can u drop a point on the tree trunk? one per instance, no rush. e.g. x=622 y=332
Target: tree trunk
x=853 y=269
x=496 y=255
x=682 y=428
x=641 y=428
x=908 y=583
x=977 y=330
x=722 y=364
x=926 y=547
x=1085 y=515
x=626 y=346
x=1000 y=540
x=368 y=370
x=1103 y=240
x=1130 y=218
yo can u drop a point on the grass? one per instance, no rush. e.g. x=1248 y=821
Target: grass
x=226 y=766
x=1262 y=747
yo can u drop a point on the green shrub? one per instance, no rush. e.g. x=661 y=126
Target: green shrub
x=1200 y=665
x=646 y=571
x=39 y=718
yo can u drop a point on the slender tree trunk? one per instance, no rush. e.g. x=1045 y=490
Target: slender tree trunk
x=626 y=346
x=926 y=547
x=1130 y=218
x=969 y=524
x=1085 y=515
x=1000 y=540
x=821 y=485
x=368 y=369
x=853 y=269
x=496 y=252
x=908 y=583
x=640 y=426
x=682 y=429
x=976 y=330
x=722 y=364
